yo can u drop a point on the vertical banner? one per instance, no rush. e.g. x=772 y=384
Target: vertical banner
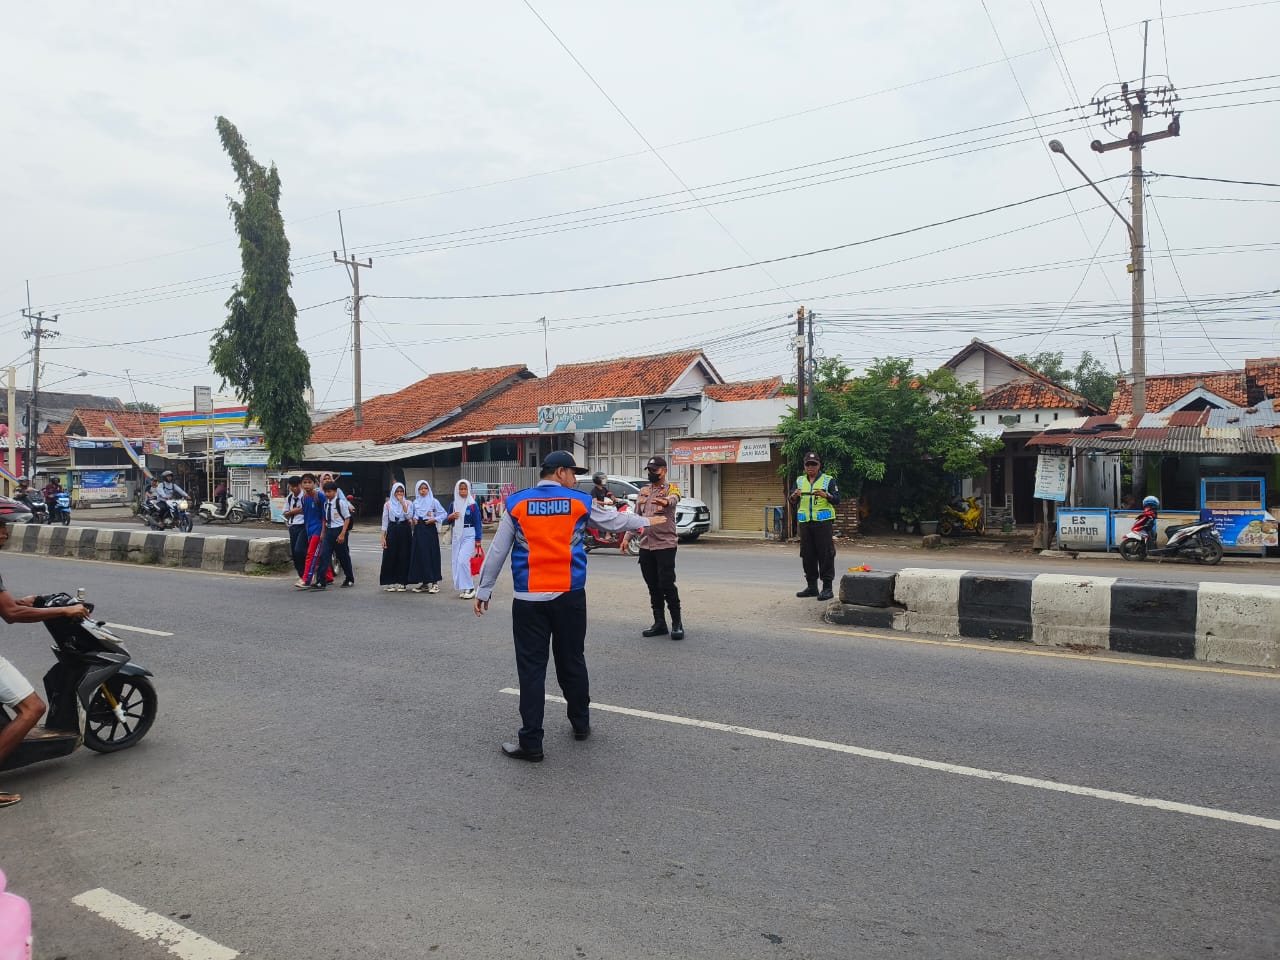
x=128 y=449
x=1052 y=472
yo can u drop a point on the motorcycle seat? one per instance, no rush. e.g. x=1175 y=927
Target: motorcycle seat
x=1182 y=526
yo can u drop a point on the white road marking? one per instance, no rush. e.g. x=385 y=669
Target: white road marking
x=176 y=938
x=146 y=630
x=1172 y=806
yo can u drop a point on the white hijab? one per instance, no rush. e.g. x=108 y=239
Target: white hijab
x=424 y=504
x=460 y=505
x=394 y=510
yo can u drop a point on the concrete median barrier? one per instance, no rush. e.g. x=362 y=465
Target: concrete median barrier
x=1222 y=622
x=224 y=554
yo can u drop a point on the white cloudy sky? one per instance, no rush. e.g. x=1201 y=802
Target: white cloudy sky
x=434 y=126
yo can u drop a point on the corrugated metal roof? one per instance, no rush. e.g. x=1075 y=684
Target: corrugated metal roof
x=1213 y=432
x=366 y=451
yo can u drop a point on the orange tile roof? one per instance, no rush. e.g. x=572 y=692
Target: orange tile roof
x=1264 y=379
x=1038 y=394
x=53 y=445
x=745 y=390
x=389 y=417
x=1164 y=389
x=597 y=380
x=135 y=426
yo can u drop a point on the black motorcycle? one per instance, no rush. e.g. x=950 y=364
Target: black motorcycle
x=96 y=695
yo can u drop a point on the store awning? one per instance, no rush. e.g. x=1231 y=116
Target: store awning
x=366 y=451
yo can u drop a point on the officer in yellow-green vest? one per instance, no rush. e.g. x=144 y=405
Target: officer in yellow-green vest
x=815 y=496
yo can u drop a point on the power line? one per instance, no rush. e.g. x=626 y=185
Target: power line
x=1178 y=275
x=1183 y=176
x=1111 y=43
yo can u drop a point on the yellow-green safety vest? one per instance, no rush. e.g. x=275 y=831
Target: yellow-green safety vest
x=811 y=507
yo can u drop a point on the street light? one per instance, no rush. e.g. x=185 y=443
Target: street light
x=82 y=373
x=1056 y=146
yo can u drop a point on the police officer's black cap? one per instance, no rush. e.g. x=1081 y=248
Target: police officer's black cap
x=559 y=459
x=812 y=457
x=656 y=462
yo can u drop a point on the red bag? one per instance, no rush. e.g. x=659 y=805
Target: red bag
x=477 y=561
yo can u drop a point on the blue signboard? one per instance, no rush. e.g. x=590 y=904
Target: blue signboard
x=1235 y=507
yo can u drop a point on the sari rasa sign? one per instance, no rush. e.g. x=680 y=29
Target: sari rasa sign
x=703 y=452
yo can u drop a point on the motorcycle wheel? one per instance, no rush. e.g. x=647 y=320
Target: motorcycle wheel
x=66 y=519
x=185 y=524
x=235 y=515
x=1210 y=552
x=1133 y=550
x=103 y=732
x=633 y=547
x=946 y=527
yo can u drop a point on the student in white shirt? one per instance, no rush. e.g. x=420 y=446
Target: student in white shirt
x=337 y=521
x=297 y=525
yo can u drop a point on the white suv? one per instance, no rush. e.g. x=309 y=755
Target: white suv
x=693 y=517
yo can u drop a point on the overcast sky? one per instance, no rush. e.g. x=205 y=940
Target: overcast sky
x=435 y=126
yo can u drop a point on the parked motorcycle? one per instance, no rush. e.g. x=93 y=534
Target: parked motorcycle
x=60 y=511
x=177 y=517
x=1198 y=541
x=596 y=539
x=213 y=512
x=261 y=505
x=97 y=696
x=966 y=516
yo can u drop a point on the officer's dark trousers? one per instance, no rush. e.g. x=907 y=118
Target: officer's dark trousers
x=818 y=551
x=659 y=570
x=560 y=624
x=298 y=547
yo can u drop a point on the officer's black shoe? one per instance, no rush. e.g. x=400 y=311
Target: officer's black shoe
x=810 y=591
x=677 y=630
x=581 y=733
x=826 y=593
x=517 y=752
x=659 y=629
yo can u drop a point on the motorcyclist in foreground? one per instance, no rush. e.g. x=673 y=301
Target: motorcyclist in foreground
x=167 y=490
x=16 y=692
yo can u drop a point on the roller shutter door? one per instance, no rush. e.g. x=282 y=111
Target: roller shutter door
x=746 y=489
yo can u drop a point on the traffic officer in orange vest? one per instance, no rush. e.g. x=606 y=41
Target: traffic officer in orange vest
x=815 y=496
x=543 y=529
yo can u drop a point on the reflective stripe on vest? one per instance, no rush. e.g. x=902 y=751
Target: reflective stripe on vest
x=811 y=507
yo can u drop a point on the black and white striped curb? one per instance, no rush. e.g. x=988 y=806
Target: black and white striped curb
x=1223 y=622
x=222 y=554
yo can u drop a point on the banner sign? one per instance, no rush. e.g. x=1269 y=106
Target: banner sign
x=1051 y=477
x=252 y=457
x=222 y=416
x=1083 y=529
x=227 y=443
x=101 y=485
x=1243 y=528
x=128 y=449
x=591 y=416
x=202 y=399
x=702 y=452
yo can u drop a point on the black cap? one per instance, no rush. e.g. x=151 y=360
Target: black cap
x=655 y=462
x=562 y=458
x=812 y=457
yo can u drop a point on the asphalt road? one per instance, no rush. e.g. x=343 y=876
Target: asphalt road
x=324 y=781
x=754 y=562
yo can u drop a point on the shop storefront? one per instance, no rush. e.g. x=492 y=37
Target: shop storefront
x=738 y=478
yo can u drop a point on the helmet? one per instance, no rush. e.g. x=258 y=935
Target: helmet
x=167 y=475
x=1151 y=502
x=13 y=510
x=599 y=477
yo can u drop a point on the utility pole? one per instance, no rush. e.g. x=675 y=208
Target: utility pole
x=355 y=267
x=13 y=422
x=811 y=364
x=799 y=341
x=35 y=329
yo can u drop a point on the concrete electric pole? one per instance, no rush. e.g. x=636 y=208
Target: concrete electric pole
x=35 y=330
x=799 y=341
x=355 y=267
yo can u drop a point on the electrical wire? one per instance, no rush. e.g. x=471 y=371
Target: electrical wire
x=1178 y=275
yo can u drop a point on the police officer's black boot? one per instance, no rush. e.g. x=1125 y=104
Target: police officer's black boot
x=810 y=591
x=659 y=628
x=826 y=593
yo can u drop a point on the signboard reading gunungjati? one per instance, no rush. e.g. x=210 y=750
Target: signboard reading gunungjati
x=590 y=416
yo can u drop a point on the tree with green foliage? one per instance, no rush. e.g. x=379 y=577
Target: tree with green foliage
x=141 y=406
x=1090 y=378
x=256 y=349
x=908 y=433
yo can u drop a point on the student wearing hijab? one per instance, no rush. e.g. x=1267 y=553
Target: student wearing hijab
x=425 y=517
x=466 y=538
x=395 y=541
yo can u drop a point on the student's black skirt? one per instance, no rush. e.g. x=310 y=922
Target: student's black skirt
x=395 y=558
x=424 y=567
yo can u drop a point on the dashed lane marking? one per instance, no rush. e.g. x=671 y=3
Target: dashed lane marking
x=1054 y=786
x=146 y=630
x=1261 y=674
x=174 y=937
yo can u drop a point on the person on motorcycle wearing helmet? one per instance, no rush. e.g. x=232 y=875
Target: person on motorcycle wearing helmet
x=167 y=490
x=1146 y=522
x=16 y=692
x=51 y=491
x=599 y=490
